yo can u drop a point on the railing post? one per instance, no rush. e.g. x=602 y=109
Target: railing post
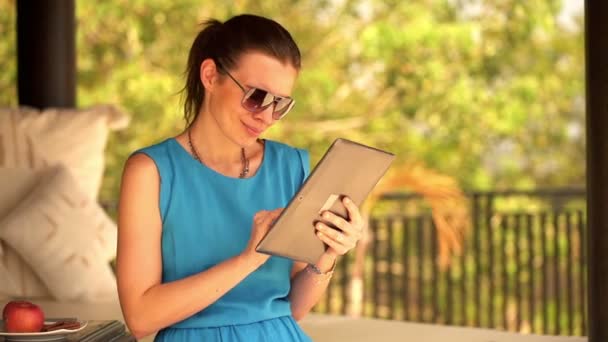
x=596 y=31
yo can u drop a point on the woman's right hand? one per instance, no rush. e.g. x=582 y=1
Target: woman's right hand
x=262 y=221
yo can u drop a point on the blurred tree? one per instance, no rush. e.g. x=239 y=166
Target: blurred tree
x=8 y=54
x=490 y=92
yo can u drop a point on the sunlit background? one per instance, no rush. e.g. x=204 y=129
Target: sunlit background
x=489 y=92
x=484 y=96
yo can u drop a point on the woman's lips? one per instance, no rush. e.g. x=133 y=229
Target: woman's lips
x=253 y=131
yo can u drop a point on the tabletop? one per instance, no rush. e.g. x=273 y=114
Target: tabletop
x=325 y=328
x=329 y=328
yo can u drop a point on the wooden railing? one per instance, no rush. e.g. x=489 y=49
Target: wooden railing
x=523 y=266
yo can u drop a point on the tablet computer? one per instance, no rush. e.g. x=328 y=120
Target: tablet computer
x=348 y=169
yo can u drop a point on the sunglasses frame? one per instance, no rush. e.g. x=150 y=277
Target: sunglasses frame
x=248 y=92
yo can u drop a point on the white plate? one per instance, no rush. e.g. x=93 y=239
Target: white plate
x=55 y=335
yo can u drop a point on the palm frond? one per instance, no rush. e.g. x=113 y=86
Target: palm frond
x=449 y=205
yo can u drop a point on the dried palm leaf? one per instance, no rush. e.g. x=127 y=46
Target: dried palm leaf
x=448 y=203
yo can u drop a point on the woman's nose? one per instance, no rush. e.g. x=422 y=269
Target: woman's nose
x=266 y=115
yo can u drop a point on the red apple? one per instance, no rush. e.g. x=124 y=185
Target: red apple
x=9 y=305
x=22 y=317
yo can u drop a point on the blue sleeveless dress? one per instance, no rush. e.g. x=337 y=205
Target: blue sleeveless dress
x=207 y=218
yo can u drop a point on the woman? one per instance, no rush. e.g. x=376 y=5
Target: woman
x=193 y=207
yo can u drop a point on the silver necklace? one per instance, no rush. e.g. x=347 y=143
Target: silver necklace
x=244 y=159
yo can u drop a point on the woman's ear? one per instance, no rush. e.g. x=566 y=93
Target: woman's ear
x=208 y=74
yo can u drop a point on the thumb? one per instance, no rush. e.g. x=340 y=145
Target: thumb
x=275 y=214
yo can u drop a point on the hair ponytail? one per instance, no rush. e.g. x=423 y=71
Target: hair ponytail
x=225 y=42
x=202 y=48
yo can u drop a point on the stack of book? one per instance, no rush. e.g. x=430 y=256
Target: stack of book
x=102 y=331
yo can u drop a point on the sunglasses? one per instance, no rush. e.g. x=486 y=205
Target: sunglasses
x=256 y=100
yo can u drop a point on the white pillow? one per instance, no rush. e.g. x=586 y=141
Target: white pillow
x=16 y=183
x=18 y=278
x=65 y=237
x=75 y=138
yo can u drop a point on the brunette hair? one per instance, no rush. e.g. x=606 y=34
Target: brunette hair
x=225 y=42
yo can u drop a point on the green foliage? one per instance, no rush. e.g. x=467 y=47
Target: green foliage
x=491 y=94
x=8 y=55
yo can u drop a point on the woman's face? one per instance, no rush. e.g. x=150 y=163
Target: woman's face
x=257 y=70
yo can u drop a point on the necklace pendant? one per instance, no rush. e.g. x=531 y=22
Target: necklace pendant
x=244 y=158
x=245 y=161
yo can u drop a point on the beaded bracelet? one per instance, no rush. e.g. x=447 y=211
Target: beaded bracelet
x=319 y=275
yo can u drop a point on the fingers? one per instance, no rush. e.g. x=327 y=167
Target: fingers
x=353 y=227
x=262 y=220
x=277 y=212
x=272 y=215
x=265 y=217
x=345 y=237
x=265 y=222
x=259 y=216
x=335 y=240
x=347 y=234
x=353 y=212
x=334 y=219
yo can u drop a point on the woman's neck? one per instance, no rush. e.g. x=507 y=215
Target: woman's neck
x=212 y=145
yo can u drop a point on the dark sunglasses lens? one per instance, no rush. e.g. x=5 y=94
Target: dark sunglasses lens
x=256 y=100
x=282 y=107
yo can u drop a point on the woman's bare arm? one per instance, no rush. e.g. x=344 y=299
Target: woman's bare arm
x=148 y=305
x=308 y=286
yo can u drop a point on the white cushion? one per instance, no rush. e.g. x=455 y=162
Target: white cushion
x=18 y=279
x=16 y=183
x=65 y=237
x=75 y=138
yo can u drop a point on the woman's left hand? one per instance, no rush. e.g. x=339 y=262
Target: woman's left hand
x=348 y=232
